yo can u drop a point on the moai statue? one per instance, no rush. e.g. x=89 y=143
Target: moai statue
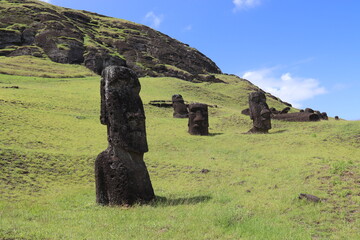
x=180 y=109
x=297 y=117
x=198 y=119
x=309 y=110
x=324 y=116
x=337 y=118
x=120 y=171
x=274 y=111
x=259 y=113
x=285 y=110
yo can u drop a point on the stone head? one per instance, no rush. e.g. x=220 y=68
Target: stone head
x=324 y=116
x=257 y=97
x=177 y=98
x=180 y=108
x=119 y=78
x=259 y=112
x=309 y=110
x=198 y=119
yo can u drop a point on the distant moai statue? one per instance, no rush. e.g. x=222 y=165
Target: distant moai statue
x=274 y=111
x=324 y=116
x=198 y=119
x=180 y=108
x=120 y=171
x=309 y=110
x=337 y=118
x=284 y=111
x=259 y=113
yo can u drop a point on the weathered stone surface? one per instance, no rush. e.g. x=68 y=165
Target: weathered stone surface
x=246 y=112
x=161 y=103
x=285 y=110
x=28 y=36
x=61 y=49
x=198 y=119
x=207 y=78
x=309 y=197
x=324 y=116
x=274 y=111
x=120 y=171
x=97 y=60
x=27 y=50
x=180 y=108
x=297 y=117
x=77 y=16
x=9 y=37
x=259 y=113
x=309 y=110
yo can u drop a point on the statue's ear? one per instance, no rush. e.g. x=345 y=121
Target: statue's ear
x=103 y=117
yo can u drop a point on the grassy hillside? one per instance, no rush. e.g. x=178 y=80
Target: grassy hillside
x=50 y=136
x=41 y=67
x=40 y=29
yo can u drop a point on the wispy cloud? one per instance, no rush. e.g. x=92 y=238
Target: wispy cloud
x=285 y=86
x=187 y=28
x=153 y=19
x=245 y=4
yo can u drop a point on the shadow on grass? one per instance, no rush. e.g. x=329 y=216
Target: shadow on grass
x=214 y=134
x=279 y=131
x=166 y=202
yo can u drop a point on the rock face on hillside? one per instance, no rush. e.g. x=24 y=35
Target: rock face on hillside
x=29 y=27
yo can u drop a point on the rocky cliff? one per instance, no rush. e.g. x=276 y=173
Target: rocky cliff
x=31 y=27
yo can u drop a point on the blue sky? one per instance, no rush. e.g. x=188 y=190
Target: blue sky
x=306 y=52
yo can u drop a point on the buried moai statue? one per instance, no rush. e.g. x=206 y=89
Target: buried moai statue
x=198 y=119
x=120 y=171
x=259 y=113
x=180 y=108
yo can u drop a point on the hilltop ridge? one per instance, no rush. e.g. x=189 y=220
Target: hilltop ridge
x=31 y=27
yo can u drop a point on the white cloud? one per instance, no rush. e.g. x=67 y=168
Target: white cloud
x=188 y=28
x=48 y=1
x=244 y=4
x=153 y=19
x=287 y=87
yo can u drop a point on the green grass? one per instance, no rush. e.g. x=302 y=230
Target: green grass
x=41 y=67
x=50 y=136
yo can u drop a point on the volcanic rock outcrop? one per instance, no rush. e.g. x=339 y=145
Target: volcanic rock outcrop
x=29 y=27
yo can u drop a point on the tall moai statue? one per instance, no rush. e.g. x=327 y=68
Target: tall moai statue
x=198 y=119
x=259 y=113
x=120 y=171
x=180 y=108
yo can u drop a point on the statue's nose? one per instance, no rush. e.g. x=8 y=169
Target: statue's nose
x=199 y=117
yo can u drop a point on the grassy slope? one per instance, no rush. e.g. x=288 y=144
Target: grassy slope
x=50 y=135
x=40 y=67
